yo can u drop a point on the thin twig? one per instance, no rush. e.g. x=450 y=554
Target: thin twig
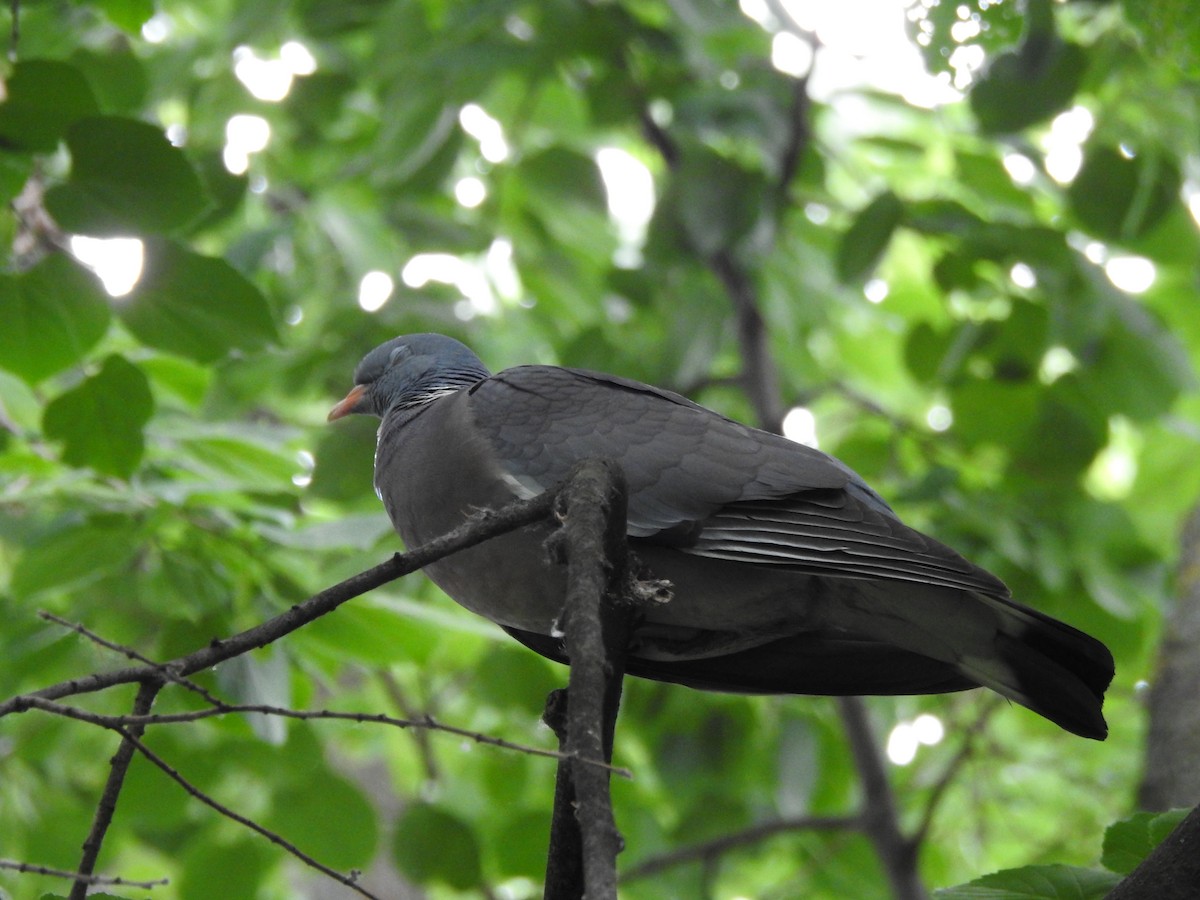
x=392 y=688
x=168 y=673
x=107 y=806
x=481 y=527
x=106 y=880
x=14 y=36
x=349 y=881
x=427 y=723
x=799 y=137
x=711 y=850
x=950 y=773
x=760 y=376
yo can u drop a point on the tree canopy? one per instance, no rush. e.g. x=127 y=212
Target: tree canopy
x=964 y=261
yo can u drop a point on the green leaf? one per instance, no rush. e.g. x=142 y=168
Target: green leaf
x=343 y=460
x=126 y=178
x=328 y=817
x=1030 y=882
x=43 y=98
x=431 y=844
x=225 y=189
x=418 y=129
x=1128 y=842
x=932 y=354
x=1079 y=432
x=938 y=216
x=1168 y=30
x=182 y=379
x=1126 y=338
x=117 y=77
x=995 y=412
x=523 y=850
x=358 y=532
x=1121 y=197
x=18 y=403
x=566 y=192
x=15 y=170
x=50 y=316
x=863 y=244
x=196 y=306
x=1028 y=86
x=129 y=15
x=100 y=421
x=517 y=679
x=74 y=557
x=712 y=202
x=231 y=869
x=372 y=634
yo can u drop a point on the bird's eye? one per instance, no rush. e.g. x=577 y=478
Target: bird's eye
x=400 y=353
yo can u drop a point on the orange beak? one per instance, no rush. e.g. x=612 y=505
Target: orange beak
x=348 y=404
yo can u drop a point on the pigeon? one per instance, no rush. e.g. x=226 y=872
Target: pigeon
x=788 y=574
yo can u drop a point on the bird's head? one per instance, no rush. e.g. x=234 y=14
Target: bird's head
x=409 y=370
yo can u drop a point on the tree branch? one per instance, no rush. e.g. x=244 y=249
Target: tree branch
x=596 y=624
x=112 y=791
x=760 y=376
x=881 y=822
x=1171 y=777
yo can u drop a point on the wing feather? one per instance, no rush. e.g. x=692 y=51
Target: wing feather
x=683 y=462
x=831 y=532
x=706 y=484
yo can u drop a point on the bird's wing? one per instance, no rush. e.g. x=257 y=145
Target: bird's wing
x=706 y=484
x=683 y=462
x=834 y=532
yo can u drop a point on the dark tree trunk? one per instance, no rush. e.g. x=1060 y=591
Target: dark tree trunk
x=1172 y=775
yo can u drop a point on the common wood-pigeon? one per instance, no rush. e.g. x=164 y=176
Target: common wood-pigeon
x=789 y=573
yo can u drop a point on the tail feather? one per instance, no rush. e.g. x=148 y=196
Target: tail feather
x=1045 y=665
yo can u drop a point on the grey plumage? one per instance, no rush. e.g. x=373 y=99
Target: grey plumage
x=790 y=574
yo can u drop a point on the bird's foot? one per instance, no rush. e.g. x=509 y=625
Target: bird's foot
x=650 y=591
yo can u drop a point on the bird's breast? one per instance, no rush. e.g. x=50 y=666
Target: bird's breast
x=433 y=470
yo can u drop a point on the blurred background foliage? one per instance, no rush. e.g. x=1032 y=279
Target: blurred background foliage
x=970 y=230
